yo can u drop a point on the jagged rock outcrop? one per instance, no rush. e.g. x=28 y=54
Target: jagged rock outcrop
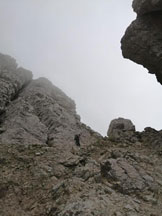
x=120 y=127
x=125 y=177
x=44 y=172
x=12 y=80
x=142 y=42
x=34 y=111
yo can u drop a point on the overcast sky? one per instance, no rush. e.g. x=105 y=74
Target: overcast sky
x=76 y=45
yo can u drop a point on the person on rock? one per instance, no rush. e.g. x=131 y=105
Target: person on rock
x=77 y=139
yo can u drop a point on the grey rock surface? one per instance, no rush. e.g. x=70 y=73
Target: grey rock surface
x=44 y=172
x=125 y=177
x=119 y=127
x=35 y=111
x=142 y=7
x=142 y=40
x=12 y=80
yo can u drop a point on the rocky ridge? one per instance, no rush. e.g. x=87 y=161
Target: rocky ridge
x=44 y=172
x=142 y=40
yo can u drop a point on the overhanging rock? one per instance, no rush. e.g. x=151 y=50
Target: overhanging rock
x=142 y=42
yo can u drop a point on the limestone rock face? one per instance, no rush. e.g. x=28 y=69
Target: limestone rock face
x=142 y=40
x=34 y=111
x=12 y=80
x=44 y=172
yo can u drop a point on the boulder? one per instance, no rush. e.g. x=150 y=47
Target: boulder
x=118 y=127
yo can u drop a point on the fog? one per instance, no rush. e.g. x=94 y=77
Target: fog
x=76 y=45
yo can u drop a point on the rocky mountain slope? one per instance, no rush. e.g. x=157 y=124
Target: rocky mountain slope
x=52 y=164
x=44 y=172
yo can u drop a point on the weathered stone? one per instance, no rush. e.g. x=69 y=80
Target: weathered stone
x=39 y=113
x=125 y=177
x=118 y=127
x=12 y=80
x=142 y=7
x=90 y=169
x=142 y=40
x=150 y=198
x=121 y=124
x=152 y=138
x=43 y=172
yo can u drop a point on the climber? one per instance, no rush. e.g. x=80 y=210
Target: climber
x=77 y=139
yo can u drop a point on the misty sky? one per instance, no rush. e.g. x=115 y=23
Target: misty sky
x=76 y=45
